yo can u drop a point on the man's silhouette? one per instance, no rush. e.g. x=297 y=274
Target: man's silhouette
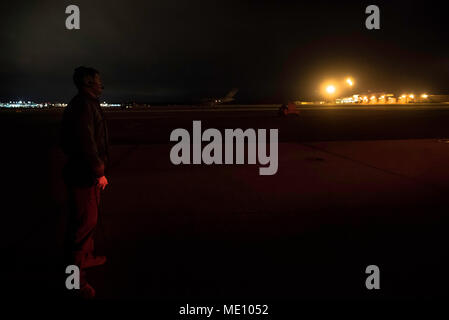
x=85 y=143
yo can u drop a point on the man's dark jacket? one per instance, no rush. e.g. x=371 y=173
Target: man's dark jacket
x=84 y=140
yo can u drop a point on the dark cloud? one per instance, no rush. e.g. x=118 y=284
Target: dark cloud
x=174 y=50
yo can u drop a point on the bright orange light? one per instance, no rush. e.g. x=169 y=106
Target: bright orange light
x=403 y=96
x=412 y=96
x=425 y=96
x=373 y=97
x=349 y=82
x=330 y=89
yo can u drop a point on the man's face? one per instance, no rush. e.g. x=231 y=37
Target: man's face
x=96 y=86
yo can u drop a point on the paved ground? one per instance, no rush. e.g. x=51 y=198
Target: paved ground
x=221 y=232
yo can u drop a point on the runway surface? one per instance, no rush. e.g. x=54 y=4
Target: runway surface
x=355 y=186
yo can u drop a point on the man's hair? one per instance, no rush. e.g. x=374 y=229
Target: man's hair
x=82 y=74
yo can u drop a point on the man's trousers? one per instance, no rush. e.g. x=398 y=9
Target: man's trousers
x=83 y=205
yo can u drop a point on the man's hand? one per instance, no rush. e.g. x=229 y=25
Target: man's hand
x=102 y=182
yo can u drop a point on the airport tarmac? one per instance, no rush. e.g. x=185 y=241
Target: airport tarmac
x=353 y=188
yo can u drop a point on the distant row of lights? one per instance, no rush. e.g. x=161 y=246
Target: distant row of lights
x=357 y=98
x=30 y=104
x=411 y=96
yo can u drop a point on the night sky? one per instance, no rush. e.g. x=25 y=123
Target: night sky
x=163 y=50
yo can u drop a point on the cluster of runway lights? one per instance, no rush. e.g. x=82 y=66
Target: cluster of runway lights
x=331 y=89
x=383 y=99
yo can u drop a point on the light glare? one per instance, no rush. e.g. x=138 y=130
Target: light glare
x=330 y=89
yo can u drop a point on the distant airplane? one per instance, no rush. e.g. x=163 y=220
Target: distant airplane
x=214 y=101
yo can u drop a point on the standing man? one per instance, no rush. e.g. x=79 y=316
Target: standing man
x=85 y=143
